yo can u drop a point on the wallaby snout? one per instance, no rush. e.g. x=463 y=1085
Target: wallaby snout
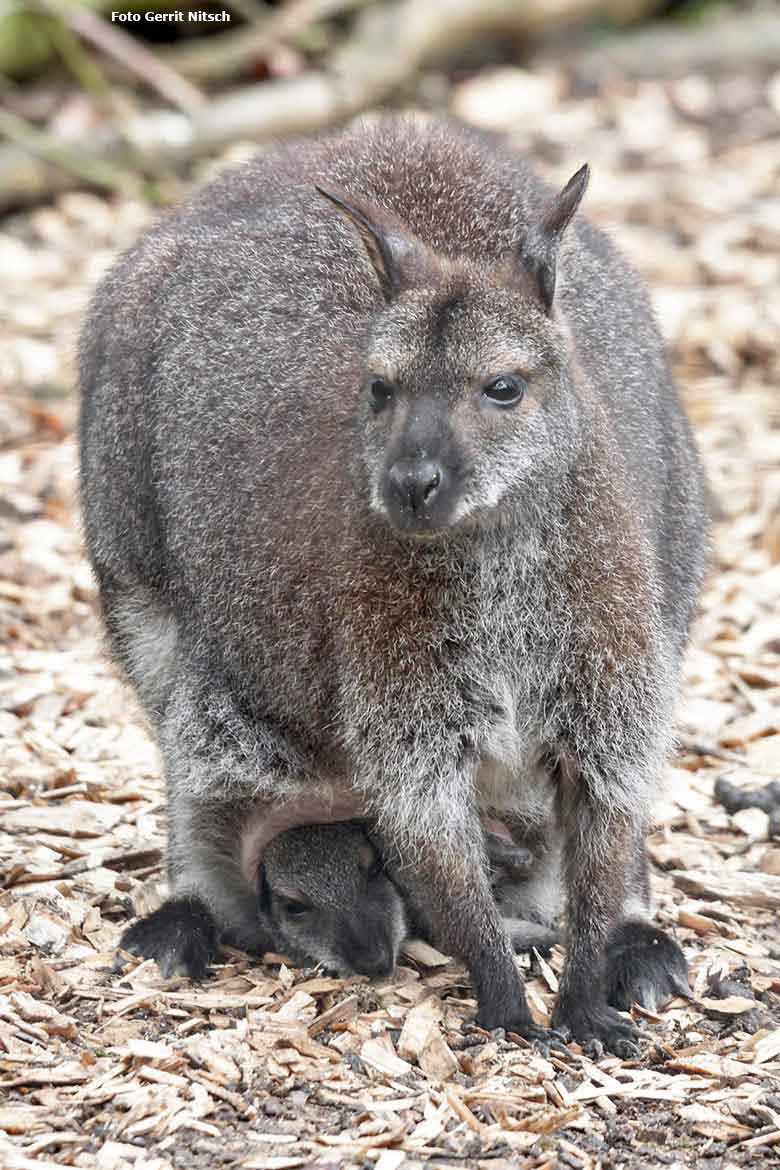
x=369 y=949
x=418 y=462
x=413 y=486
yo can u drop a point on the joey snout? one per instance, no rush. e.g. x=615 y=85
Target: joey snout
x=369 y=948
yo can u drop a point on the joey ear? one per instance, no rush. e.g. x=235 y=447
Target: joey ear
x=540 y=251
x=399 y=259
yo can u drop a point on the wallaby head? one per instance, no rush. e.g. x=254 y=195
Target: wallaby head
x=467 y=389
x=329 y=900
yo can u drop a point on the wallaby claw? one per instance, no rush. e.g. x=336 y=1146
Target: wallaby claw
x=543 y=1040
x=559 y=1041
x=508 y=858
x=593 y=1049
x=626 y=1049
x=599 y=1029
x=551 y=1041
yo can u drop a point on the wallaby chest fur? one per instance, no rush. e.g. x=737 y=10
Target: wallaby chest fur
x=266 y=378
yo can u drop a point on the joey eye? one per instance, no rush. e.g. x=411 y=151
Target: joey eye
x=507 y=390
x=295 y=909
x=382 y=392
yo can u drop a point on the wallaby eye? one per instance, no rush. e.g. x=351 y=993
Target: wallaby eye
x=507 y=390
x=295 y=909
x=381 y=392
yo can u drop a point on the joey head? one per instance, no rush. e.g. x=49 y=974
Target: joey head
x=328 y=900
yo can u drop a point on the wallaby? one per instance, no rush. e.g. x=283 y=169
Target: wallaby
x=396 y=515
x=327 y=898
x=324 y=890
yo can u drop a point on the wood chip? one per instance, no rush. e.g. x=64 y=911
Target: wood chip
x=740 y=888
x=422 y=953
x=379 y=1055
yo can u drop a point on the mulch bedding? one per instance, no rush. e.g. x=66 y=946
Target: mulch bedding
x=269 y=1067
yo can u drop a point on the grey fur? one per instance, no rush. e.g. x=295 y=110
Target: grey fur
x=348 y=916
x=514 y=646
x=328 y=900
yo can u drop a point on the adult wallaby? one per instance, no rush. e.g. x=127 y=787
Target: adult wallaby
x=396 y=514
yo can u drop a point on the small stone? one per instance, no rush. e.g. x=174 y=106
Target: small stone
x=694 y=96
x=500 y=99
x=35 y=361
x=753 y=822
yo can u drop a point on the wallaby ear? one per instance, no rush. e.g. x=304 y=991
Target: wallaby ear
x=399 y=259
x=540 y=251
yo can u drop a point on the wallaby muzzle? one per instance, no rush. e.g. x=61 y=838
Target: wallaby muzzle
x=413 y=485
x=369 y=950
x=420 y=486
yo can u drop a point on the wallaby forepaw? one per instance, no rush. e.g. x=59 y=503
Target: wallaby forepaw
x=543 y=1040
x=516 y=1019
x=181 y=937
x=644 y=966
x=599 y=1028
x=549 y=1040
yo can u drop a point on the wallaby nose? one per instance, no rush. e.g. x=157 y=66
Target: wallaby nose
x=367 y=946
x=376 y=963
x=414 y=483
